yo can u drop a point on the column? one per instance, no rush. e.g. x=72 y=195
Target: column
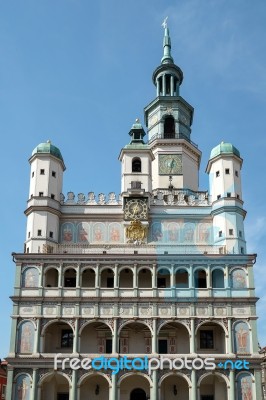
x=232 y=384
x=97 y=277
x=112 y=390
x=73 y=391
x=172 y=277
x=154 y=336
x=154 y=390
x=135 y=280
x=158 y=87
x=172 y=85
x=229 y=339
x=116 y=276
x=192 y=337
x=37 y=337
x=76 y=337
x=60 y=276
x=209 y=277
x=39 y=393
x=115 y=338
x=164 y=84
x=194 y=385
x=41 y=279
x=34 y=384
x=154 y=280
x=78 y=280
x=9 y=387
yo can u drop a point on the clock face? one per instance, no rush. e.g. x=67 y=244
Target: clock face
x=136 y=209
x=170 y=164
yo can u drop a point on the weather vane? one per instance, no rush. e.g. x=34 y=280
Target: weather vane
x=164 y=24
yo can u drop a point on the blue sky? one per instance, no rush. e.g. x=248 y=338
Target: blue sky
x=78 y=72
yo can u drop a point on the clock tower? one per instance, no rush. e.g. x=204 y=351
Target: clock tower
x=168 y=119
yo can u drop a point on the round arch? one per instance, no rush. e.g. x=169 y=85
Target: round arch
x=94 y=321
x=179 y=374
x=52 y=374
x=212 y=322
x=169 y=269
x=89 y=375
x=139 y=321
x=86 y=268
x=124 y=268
x=181 y=268
x=213 y=374
x=22 y=373
x=129 y=374
x=144 y=267
x=26 y=320
x=54 y=321
x=171 y=322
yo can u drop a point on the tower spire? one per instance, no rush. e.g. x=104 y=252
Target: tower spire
x=167 y=58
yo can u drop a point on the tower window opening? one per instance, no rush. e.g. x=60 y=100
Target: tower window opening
x=228 y=194
x=42 y=172
x=217 y=174
x=32 y=174
x=240 y=234
x=39 y=233
x=218 y=197
x=136 y=165
x=51 y=235
x=54 y=174
x=52 y=196
x=220 y=233
x=41 y=194
x=231 y=232
x=168 y=84
x=236 y=173
x=169 y=128
x=227 y=171
x=28 y=234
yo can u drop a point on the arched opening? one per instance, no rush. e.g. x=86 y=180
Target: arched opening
x=173 y=338
x=51 y=278
x=144 y=278
x=88 y=278
x=96 y=337
x=213 y=387
x=126 y=278
x=181 y=278
x=70 y=278
x=58 y=338
x=56 y=387
x=217 y=279
x=174 y=387
x=163 y=278
x=138 y=394
x=136 y=164
x=107 y=278
x=200 y=280
x=210 y=338
x=135 y=338
x=95 y=386
x=169 y=128
x=135 y=384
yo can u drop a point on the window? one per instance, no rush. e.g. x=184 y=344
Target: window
x=161 y=282
x=51 y=234
x=169 y=128
x=39 y=232
x=240 y=234
x=200 y=279
x=242 y=250
x=135 y=185
x=32 y=174
x=228 y=194
x=110 y=282
x=52 y=196
x=217 y=174
x=206 y=339
x=42 y=172
x=227 y=171
x=163 y=346
x=220 y=233
x=136 y=165
x=236 y=173
x=108 y=346
x=237 y=196
x=218 y=197
x=54 y=174
x=41 y=194
x=28 y=234
x=67 y=338
x=231 y=232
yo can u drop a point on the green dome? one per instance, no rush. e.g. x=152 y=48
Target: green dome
x=48 y=148
x=224 y=148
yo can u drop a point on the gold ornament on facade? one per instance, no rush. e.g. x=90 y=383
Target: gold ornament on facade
x=136 y=231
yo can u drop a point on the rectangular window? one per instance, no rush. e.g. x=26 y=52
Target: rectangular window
x=236 y=173
x=227 y=171
x=41 y=194
x=217 y=174
x=206 y=339
x=163 y=346
x=237 y=196
x=231 y=232
x=242 y=250
x=54 y=174
x=220 y=233
x=42 y=172
x=228 y=194
x=67 y=338
x=51 y=235
x=240 y=234
x=52 y=196
x=218 y=197
x=28 y=234
x=39 y=232
x=32 y=174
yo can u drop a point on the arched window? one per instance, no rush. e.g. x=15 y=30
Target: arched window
x=169 y=128
x=217 y=279
x=136 y=165
x=200 y=279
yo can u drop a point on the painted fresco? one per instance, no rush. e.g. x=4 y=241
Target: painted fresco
x=188 y=233
x=156 y=232
x=238 y=279
x=67 y=233
x=22 y=388
x=99 y=232
x=244 y=387
x=115 y=233
x=242 y=337
x=26 y=337
x=83 y=232
x=204 y=233
x=30 y=277
x=172 y=232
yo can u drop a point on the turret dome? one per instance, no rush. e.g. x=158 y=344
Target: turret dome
x=48 y=148
x=224 y=148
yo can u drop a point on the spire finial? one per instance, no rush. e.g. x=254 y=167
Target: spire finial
x=167 y=58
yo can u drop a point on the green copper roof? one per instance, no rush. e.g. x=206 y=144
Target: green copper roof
x=167 y=58
x=48 y=148
x=224 y=148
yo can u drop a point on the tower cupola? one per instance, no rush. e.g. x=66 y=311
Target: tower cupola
x=137 y=133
